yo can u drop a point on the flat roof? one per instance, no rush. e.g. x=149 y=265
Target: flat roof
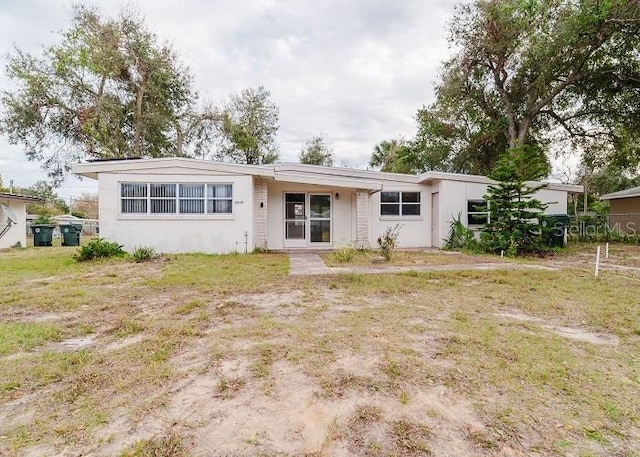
x=293 y=172
x=18 y=197
x=626 y=193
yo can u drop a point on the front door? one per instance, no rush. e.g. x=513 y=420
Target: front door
x=307 y=219
x=295 y=220
x=320 y=218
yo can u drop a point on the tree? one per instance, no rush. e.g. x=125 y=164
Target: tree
x=529 y=71
x=392 y=156
x=248 y=128
x=514 y=224
x=51 y=205
x=86 y=203
x=108 y=89
x=316 y=152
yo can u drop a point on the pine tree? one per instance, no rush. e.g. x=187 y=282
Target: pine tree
x=514 y=226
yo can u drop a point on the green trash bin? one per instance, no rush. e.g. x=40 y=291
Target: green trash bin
x=555 y=226
x=42 y=234
x=70 y=234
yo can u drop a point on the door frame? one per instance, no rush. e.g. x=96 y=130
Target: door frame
x=306 y=242
x=435 y=219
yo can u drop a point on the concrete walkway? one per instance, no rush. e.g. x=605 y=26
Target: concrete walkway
x=307 y=263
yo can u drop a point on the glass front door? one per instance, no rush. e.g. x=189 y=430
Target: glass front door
x=295 y=218
x=320 y=218
x=304 y=227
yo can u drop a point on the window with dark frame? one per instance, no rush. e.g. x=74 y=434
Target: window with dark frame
x=400 y=204
x=477 y=212
x=172 y=198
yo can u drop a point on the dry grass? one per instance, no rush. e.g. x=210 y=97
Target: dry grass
x=198 y=353
x=364 y=258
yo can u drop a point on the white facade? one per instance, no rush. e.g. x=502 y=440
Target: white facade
x=13 y=220
x=282 y=206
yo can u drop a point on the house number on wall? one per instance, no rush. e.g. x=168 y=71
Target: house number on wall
x=238 y=202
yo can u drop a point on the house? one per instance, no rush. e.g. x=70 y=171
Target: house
x=89 y=226
x=13 y=221
x=188 y=205
x=624 y=211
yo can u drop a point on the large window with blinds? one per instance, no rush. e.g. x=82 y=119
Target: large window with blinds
x=188 y=198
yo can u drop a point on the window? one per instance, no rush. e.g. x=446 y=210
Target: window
x=163 y=198
x=134 y=198
x=477 y=212
x=219 y=198
x=400 y=203
x=190 y=198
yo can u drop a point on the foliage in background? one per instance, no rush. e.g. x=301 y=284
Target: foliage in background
x=514 y=225
x=392 y=156
x=43 y=219
x=316 y=151
x=107 y=89
x=248 y=127
x=389 y=241
x=460 y=237
x=143 y=254
x=99 y=248
x=531 y=72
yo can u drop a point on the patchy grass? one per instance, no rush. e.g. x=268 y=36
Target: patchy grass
x=232 y=354
x=365 y=258
x=22 y=336
x=169 y=445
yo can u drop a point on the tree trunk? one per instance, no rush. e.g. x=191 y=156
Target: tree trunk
x=137 y=136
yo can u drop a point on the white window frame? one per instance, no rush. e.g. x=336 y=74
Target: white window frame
x=177 y=213
x=486 y=213
x=401 y=204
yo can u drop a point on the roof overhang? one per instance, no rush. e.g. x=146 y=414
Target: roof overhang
x=627 y=193
x=434 y=176
x=329 y=181
x=92 y=169
x=19 y=198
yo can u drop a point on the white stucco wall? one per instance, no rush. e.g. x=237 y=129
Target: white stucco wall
x=455 y=194
x=178 y=233
x=18 y=232
x=342 y=229
x=415 y=231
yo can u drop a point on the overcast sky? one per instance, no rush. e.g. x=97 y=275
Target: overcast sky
x=354 y=70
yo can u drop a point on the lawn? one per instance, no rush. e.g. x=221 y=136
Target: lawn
x=228 y=355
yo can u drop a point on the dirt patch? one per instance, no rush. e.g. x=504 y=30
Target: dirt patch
x=565 y=332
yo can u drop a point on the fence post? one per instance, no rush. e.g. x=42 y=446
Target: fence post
x=597 y=261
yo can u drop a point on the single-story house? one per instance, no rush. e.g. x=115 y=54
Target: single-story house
x=624 y=210
x=188 y=205
x=13 y=219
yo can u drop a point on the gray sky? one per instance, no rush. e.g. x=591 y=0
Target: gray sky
x=354 y=70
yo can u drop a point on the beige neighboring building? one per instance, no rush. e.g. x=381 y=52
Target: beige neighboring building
x=13 y=219
x=624 y=210
x=189 y=205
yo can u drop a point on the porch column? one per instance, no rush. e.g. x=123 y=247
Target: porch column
x=362 y=220
x=260 y=202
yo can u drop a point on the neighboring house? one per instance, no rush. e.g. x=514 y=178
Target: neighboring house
x=188 y=205
x=89 y=226
x=13 y=219
x=624 y=210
